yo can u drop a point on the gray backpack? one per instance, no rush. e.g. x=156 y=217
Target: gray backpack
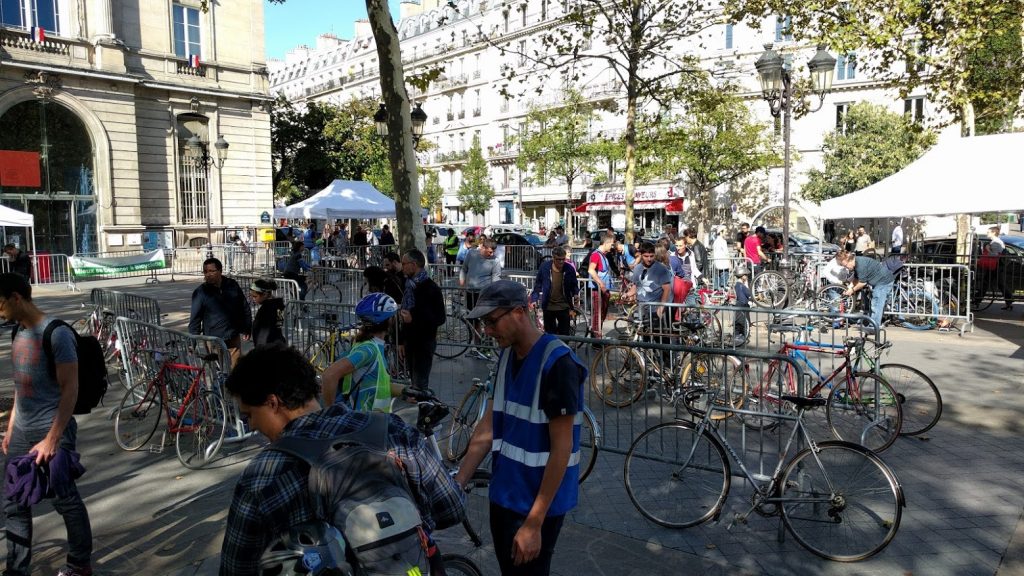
x=360 y=487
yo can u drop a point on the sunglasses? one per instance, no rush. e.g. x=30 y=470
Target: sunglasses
x=492 y=321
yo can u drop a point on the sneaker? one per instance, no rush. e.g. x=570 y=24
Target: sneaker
x=69 y=570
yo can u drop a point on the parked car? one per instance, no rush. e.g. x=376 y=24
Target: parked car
x=801 y=243
x=943 y=251
x=521 y=251
x=595 y=236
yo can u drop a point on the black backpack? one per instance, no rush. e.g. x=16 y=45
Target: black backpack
x=92 y=369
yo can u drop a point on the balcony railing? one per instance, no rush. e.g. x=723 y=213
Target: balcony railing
x=453 y=156
x=476 y=112
x=462 y=114
x=451 y=116
x=22 y=40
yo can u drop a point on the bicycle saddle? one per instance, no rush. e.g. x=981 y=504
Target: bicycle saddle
x=804 y=402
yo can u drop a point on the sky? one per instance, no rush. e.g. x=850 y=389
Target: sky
x=301 y=21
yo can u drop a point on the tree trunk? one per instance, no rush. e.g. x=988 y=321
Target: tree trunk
x=630 y=158
x=401 y=152
x=568 y=210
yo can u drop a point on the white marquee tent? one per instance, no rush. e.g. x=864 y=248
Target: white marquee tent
x=341 y=199
x=957 y=176
x=14 y=218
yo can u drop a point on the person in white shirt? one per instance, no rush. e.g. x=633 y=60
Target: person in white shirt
x=722 y=263
x=896 y=244
x=863 y=243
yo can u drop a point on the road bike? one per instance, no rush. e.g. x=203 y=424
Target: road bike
x=459 y=333
x=919 y=397
x=838 y=499
x=473 y=406
x=195 y=413
x=860 y=406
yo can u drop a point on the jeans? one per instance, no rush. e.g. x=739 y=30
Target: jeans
x=504 y=525
x=71 y=508
x=721 y=279
x=599 y=311
x=557 y=322
x=420 y=359
x=879 y=296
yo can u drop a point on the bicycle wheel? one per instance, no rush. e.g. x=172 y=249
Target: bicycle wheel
x=325 y=292
x=82 y=326
x=841 y=502
x=463 y=423
x=455 y=564
x=580 y=324
x=590 y=443
x=675 y=477
x=864 y=410
x=763 y=396
x=723 y=375
x=919 y=397
x=138 y=415
x=200 y=431
x=921 y=310
x=770 y=289
x=831 y=299
x=618 y=376
x=453 y=338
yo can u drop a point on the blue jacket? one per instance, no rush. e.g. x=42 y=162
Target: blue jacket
x=542 y=286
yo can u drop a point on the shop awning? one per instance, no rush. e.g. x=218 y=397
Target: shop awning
x=675 y=207
x=637 y=205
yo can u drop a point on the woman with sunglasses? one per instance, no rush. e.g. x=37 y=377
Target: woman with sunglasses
x=266 y=328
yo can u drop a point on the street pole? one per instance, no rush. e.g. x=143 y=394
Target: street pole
x=787 y=113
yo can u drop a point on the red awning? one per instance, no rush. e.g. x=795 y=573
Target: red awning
x=637 y=204
x=675 y=207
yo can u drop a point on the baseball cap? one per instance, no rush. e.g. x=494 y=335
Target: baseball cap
x=499 y=294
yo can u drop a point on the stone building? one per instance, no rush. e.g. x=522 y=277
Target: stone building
x=98 y=99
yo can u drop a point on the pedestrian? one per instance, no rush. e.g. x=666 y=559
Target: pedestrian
x=741 y=320
x=465 y=247
x=753 y=251
x=295 y=269
x=741 y=238
x=20 y=263
x=896 y=242
x=652 y=284
x=277 y=390
x=451 y=249
x=600 y=273
x=722 y=260
x=421 y=315
x=552 y=240
x=863 y=242
x=362 y=376
x=870 y=272
x=386 y=237
x=41 y=430
x=219 y=309
x=394 y=281
x=561 y=237
x=849 y=241
x=700 y=252
x=684 y=266
x=480 y=269
x=996 y=249
x=266 y=327
x=532 y=430
x=555 y=290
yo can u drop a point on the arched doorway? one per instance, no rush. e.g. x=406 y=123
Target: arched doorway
x=49 y=148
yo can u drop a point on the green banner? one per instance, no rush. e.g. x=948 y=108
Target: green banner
x=87 y=266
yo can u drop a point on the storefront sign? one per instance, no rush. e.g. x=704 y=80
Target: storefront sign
x=620 y=196
x=85 y=267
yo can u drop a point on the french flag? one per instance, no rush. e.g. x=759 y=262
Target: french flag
x=38 y=34
x=193 y=61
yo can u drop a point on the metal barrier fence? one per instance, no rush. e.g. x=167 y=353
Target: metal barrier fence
x=46 y=269
x=928 y=295
x=286 y=289
x=134 y=306
x=144 y=346
x=346 y=284
x=308 y=323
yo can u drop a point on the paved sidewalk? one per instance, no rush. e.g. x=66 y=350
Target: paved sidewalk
x=963 y=484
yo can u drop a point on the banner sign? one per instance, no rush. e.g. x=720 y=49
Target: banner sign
x=86 y=266
x=19 y=169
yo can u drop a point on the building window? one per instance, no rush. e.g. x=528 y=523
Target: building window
x=504 y=177
x=523 y=11
x=45 y=14
x=505 y=20
x=612 y=171
x=505 y=212
x=784 y=28
x=193 y=182
x=913 y=109
x=522 y=52
x=728 y=36
x=846 y=66
x=186 y=32
x=543 y=10
x=841 y=110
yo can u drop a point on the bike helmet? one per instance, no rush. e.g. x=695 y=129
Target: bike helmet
x=742 y=270
x=315 y=548
x=376 y=308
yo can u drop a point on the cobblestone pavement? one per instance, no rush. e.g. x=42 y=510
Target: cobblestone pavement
x=962 y=482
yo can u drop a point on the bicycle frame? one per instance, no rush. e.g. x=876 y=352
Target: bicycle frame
x=174 y=423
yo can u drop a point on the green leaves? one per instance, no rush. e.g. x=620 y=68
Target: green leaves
x=875 y=144
x=475 y=193
x=557 y=143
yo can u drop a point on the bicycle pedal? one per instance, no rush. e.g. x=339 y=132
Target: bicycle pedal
x=760 y=477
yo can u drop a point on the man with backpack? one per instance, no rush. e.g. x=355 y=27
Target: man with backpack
x=276 y=388
x=532 y=428
x=869 y=272
x=46 y=377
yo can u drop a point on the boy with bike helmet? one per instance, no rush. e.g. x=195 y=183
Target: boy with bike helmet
x=363 y=372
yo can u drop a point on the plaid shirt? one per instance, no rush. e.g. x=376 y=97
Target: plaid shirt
x=271 y=494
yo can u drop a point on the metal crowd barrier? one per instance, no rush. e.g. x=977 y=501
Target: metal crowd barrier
x=348 y=281
x=46 y=269
x=306 y=323
x=134 y=306
x=930 y=295
x=144 y=346
x=286 y=289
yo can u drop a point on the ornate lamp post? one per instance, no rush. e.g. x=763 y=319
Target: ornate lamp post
x=778 y=89
x=417 y=116
x=198 y=152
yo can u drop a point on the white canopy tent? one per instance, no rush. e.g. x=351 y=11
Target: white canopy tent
x=342 y=199
x=14 y=218
x=957 y=176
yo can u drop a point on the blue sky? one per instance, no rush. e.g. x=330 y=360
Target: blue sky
x=301 y=21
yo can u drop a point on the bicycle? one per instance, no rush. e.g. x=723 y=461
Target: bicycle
x=918 y=395
x=770 y=289
x=460 y=333
x=473 y=406
x=839 y=500
x=860 y=406
x=195 y=414
x=337 y=343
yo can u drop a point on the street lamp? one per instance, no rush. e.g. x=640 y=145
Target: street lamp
x=199 y=153
x=778 y=89
x=519 y=175
x=417 y=117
